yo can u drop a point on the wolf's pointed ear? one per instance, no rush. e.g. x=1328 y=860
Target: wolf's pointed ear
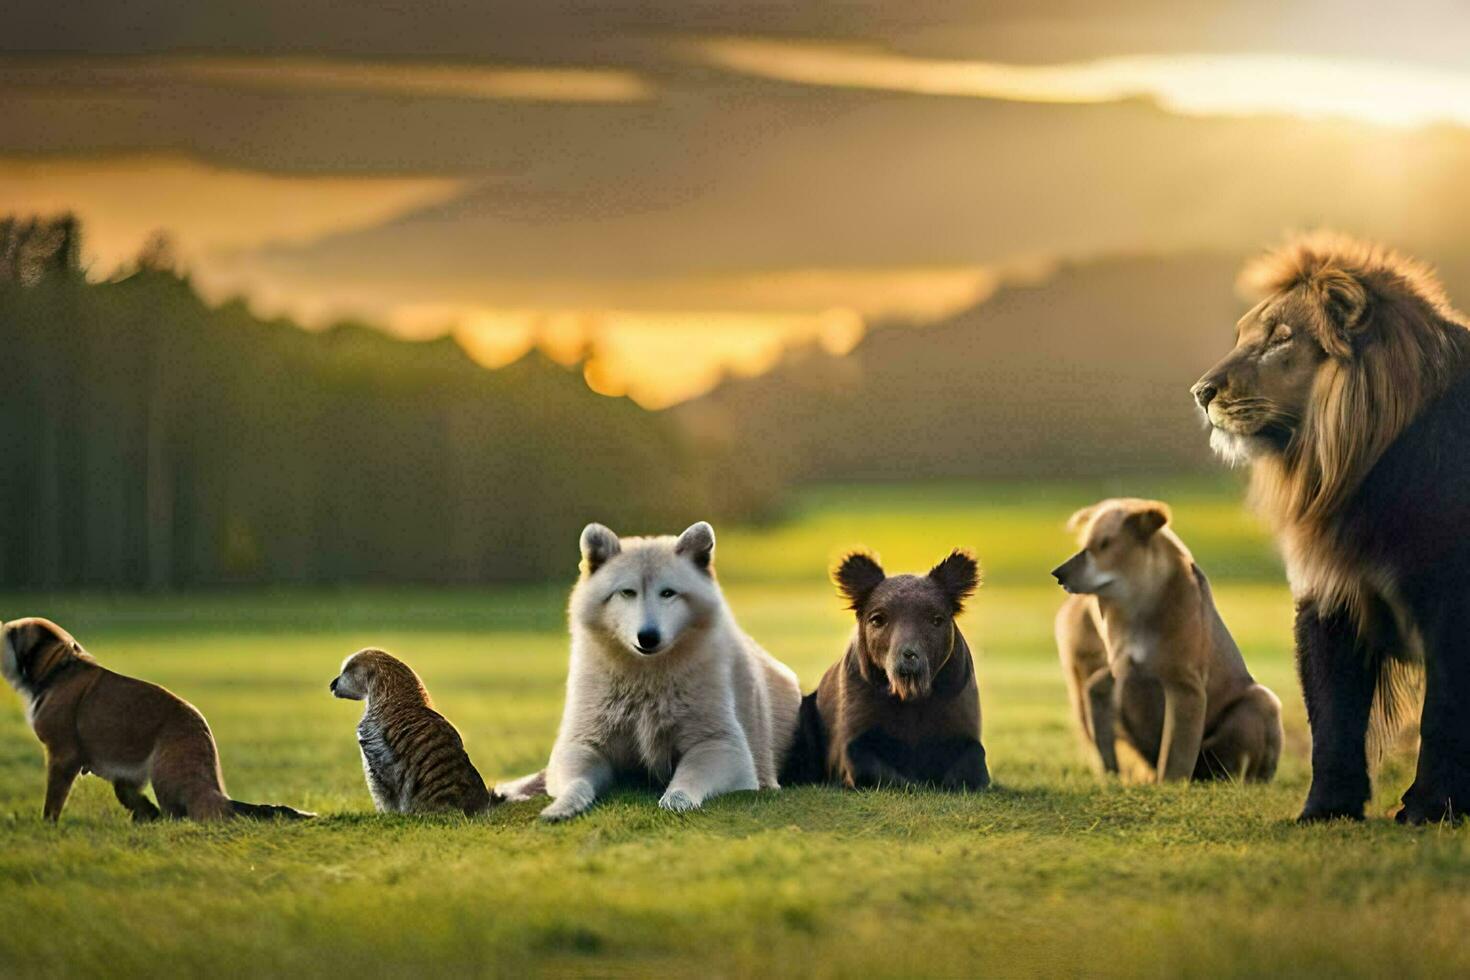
x=1344 y=304
x=1079 y=520
x=697 y=544
x=1147 y=519
x=598 y=545
x=857 y=576
x=958 y=576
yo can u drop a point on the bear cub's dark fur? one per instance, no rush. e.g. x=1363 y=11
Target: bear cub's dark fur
x=901 y=707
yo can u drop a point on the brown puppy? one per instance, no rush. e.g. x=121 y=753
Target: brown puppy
x=1148 y=658
x=127 y=731
x=901 y=706
x=412 y=756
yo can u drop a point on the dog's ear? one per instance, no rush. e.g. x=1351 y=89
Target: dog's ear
x=697 y=544
x=958 y=576
x=598 y=545
x=1079 y=520
x=1147 y=518
x=857 y=576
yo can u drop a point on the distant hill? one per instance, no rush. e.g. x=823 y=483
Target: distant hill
x=1087 y=372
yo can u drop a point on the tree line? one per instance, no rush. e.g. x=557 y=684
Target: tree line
x=153 y=441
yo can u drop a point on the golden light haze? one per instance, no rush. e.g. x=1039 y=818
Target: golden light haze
x=1379 y=93
x=204 y=208
x=663 y=354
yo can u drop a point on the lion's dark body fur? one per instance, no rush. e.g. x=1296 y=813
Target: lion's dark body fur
x=1409 y=521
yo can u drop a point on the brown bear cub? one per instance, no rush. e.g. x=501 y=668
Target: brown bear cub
x=127 y=731
x=901 y=707
x=412 y=756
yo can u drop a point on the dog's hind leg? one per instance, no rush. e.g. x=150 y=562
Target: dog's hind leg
x=130 y=795
x=525 y=788
x=1245 y=742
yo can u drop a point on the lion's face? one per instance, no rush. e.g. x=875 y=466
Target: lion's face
x=1255 y=398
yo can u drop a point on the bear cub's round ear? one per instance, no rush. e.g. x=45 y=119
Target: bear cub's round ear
x=958 y=576
x=857 y=576
x=599 y=544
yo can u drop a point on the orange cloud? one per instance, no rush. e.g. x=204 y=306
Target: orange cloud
x=465 y=81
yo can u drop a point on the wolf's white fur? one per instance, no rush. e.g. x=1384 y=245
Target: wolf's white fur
x=703 y=708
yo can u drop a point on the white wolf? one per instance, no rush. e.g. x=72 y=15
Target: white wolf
x=663 y=683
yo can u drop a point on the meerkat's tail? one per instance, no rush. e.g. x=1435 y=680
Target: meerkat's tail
x=268 y=811
x=522 y=789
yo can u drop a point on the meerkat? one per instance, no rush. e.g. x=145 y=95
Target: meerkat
x=412 y=756
x=127 y=731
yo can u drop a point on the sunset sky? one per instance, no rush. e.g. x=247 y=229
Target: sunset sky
x=693 y=188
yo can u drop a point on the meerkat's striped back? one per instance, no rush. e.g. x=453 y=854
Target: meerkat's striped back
x=413 y=758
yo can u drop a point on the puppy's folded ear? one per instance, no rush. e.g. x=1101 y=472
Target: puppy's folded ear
x=697 y=544
x=598 y=545
x=857 y=576
x=1147 y=519
x=958 y=576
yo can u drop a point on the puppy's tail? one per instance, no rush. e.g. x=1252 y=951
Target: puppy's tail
x=268 y=811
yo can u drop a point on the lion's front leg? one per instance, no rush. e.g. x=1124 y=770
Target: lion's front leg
x=1337 y=684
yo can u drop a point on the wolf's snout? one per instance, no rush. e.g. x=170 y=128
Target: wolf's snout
x=648 y=639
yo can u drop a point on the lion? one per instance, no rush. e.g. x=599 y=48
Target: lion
x=1348 y=394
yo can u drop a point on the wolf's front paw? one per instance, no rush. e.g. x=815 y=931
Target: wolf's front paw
x=678 y=801
x=560 y=810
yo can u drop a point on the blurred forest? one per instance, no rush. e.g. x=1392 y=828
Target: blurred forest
x=151 y=441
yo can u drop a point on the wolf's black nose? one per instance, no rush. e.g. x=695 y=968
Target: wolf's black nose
x=1205 y=392
x=648 y=639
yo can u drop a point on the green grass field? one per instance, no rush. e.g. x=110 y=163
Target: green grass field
x=1051 y=873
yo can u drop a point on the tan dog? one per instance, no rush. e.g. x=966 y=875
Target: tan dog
x=127 y=731
x=1148 y=658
